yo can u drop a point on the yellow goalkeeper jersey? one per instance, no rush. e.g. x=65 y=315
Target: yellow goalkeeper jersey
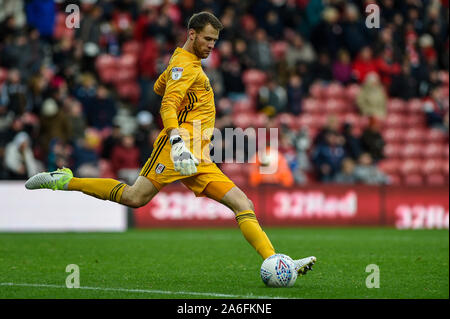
x=188 y=98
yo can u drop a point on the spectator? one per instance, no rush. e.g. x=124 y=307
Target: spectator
x=295 y=92
x=299 y=51
x=19 y=159
x=347 y=173
x=342 y=68
x=354 y=30
x=101 y=109
x=125 y=159
x=54 y=124
x=332 y=126
x=352 y=144
x=363 y=64
x=259 y=50
x=322 y=68
x=367 y=173
x=404 y=85
x=372 y=98
x=327 y=157
x=372 y=141
x=387 y=67
x=435 y=110
x=327 y=35
x=111 y=141
x=272 y=168
x=85 y=155
x=272 y=98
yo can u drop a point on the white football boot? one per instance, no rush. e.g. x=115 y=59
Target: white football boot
x=304 y=265
x=56 y=180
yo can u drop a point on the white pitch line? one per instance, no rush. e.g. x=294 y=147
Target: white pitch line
x=163 y=292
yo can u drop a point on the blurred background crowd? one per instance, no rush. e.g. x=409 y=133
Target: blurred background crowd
x=353 y=104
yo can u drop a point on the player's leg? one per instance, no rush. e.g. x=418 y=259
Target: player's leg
x=237 y=201
x=136 y=195
x=243 y=208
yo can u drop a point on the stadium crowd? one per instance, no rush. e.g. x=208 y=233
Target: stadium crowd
x=83 y=97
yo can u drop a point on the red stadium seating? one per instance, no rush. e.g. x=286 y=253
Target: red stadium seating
x=394 y=120
x=413 y=180
x=351 y=92
x=393 y=150
x=433 y=150
x=410 y=167
x=432 y=166
x=255 y=77
x=435 y=135
x=436 y=180
x=414 y=120
x=317 y=90
x=414 y=135
x=311 y=105
x=414 y=106
x=393 y=135
x=334 y=91
x=390 y=166
x=411 y=151
x=395 y=106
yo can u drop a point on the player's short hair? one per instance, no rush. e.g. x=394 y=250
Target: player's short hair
x=200 y=20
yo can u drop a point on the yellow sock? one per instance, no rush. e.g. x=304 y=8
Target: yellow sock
x=254 y=234
x=102 y=188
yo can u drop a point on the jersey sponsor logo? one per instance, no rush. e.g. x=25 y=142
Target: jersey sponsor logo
x=207 y=86
x=177 y=73
x=159 y=168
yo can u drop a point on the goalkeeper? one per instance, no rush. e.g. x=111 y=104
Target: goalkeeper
x=188 y=114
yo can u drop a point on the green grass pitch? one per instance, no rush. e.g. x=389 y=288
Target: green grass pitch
x=219 y=263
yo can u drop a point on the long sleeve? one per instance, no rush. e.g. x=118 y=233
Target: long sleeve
x=178 y=82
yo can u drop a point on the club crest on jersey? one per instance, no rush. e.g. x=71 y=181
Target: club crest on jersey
x=176 y=73
x=159 y=168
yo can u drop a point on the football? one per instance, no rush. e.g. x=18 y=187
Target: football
x=278 y=271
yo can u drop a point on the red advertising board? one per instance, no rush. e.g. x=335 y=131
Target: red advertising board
x=176 y=206
x=322 y=205
x=416 y=207
x=313 y=205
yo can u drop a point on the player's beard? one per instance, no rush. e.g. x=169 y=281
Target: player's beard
x=197 y=50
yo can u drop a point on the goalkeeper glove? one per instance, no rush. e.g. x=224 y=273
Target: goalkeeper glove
x=183 y=160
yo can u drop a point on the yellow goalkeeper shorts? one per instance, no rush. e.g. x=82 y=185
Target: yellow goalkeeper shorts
x=159 y=169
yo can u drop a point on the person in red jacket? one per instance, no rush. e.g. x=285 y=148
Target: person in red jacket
x=364 y=64
x=125 y=159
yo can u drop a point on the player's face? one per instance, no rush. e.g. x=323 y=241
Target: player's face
x=204 y=41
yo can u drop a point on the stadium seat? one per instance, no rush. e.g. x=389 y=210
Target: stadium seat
x=334 y=91
x=311 y=105
x=410 y=167
x=105 y=61
x=317 y=90
x=132 y=47
x=390 y=166
x=392 y=150
x=395 y=179
x=394 y=120
x=436 y=180
x=393 y=135
x=414 y=106
x=351 y=92
x=127 y=61
x=435 y=136
x=414 y=120
x=446 y=151
x=395 y=105
x=244 y=105
x=433 y=150
x=414 y=135
x=129 y=90
x=255 y=77
x=413 y=180
x=432 y=166
x=334 y=106
x=412 y=151
x=286 y=119
x=243 y=120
